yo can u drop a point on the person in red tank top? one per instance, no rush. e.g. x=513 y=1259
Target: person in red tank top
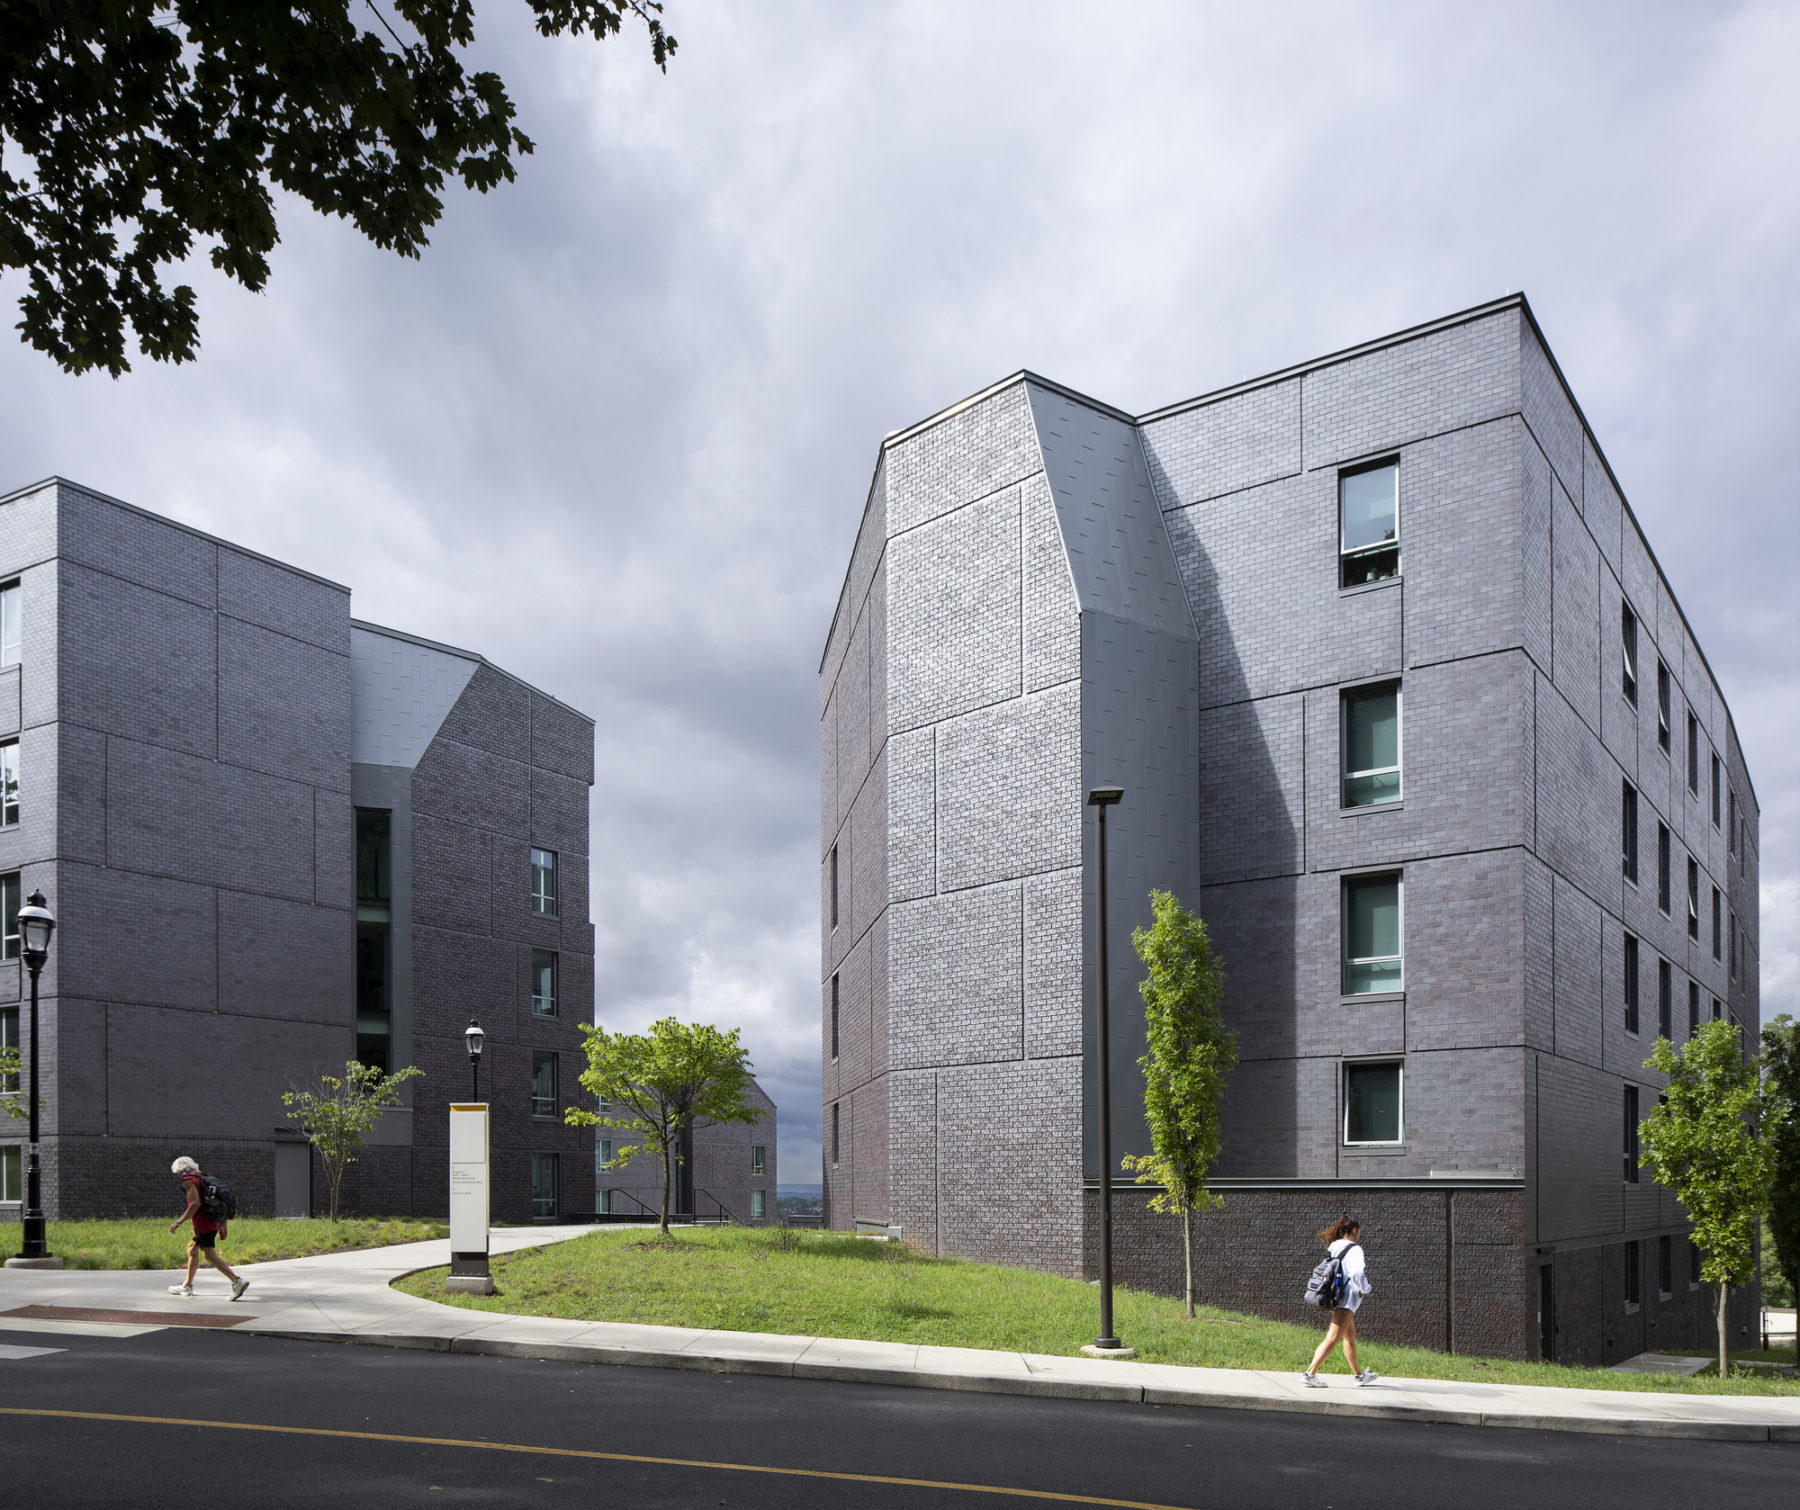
x=207 y=1231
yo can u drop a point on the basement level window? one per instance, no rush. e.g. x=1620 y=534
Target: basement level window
x=758 y=1207
x=1369 y=523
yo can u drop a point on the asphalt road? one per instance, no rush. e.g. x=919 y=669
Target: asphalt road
x=331 y=1425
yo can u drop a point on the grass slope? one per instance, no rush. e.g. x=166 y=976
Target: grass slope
x=146 y=1243
x=828 y=1285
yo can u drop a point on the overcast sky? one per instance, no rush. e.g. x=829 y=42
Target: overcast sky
x=615 y=430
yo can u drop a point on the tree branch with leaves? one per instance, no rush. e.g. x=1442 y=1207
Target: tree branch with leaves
x=1710 y=1141
x=338 y=1118
x=1190 y=1051
x=1781 y=1073
x=130 y=129
x=654 y=1085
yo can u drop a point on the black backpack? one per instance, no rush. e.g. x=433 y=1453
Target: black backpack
x=216 y=1199
x=1326 y=1287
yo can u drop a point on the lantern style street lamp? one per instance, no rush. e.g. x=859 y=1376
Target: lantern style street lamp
x=474 y=1038
x=35 y=927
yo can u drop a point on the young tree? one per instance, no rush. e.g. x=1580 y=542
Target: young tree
x=12 y=1102
x=128 y=128
x=339 y=1117
x=1190 y=1051
x=655 y=1084
x=1781 y=1070
x=1709 y=1141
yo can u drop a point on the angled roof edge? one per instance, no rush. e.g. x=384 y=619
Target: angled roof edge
x=57 y=479
x=467 y=655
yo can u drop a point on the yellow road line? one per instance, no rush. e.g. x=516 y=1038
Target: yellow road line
x=582 y=1452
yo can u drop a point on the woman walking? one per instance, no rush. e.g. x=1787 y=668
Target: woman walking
x=1343 y=1239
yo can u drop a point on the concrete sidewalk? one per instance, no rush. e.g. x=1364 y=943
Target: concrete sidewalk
x=346 y=1297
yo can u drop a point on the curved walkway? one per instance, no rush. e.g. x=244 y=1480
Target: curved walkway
x=347 y=1297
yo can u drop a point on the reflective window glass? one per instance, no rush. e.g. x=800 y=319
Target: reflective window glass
x=1372 y=1103
x=1371 y=934
x=1372 y=745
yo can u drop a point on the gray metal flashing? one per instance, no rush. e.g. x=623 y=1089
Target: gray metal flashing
x=57 y=480
x=467 y=655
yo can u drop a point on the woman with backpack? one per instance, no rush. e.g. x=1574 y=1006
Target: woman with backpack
x=208 y=1229
x=1343 y=1240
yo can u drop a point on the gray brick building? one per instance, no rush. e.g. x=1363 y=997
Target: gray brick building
x=1404 y=707
x=724 y=1171
x=274 y=838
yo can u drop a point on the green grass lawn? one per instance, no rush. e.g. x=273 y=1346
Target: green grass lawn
x=146 y=1243
x=829 y=1285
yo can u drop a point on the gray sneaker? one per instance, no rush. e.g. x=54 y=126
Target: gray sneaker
x=1367 y=1376
x=1313 y=1381
x=238 y=1286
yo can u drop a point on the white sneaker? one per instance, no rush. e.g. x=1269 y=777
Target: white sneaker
x=1312 y=1380
x=1367 y=1376
x=238 y=1286
x=181 y=1289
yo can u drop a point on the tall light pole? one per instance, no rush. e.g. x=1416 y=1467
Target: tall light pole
x=1100 y=799
x=474 y=1038
x=35 y=927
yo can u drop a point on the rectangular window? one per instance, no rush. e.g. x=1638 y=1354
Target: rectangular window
x=1665 y=999
x=12 y=1185
x=1665 y=1266
x=1631 y=1135
x=1715 y=1009
x=544 y=965
x=1693 y=1006
x=1634 y=1283
x=834 y=886
x=9 y=916
x=1628 y=828
x=1662 y=867
x=543 y=882
x=1734 y=947
x=1371 y=725
x=1693 y=900
x=606 y=1153
x=1631 y=984
x=1372 y=1109
x=1693 y=755
x=1662 y=707
x=1715 y=791
x=1694 y=1262
x=543 y=1187
x=374 y=936
x=1718 y=927
x=834 y=1132
x=9 y=784
x=757 y=1152
x=11 y=623
x=543 y=1085
x=834 y=1017
x=757 y=1205
x=604 y=1202
x=1372 y=948
x=9 y=1039
x=1628 y=644
x=1369 y=523
x=1731 y=829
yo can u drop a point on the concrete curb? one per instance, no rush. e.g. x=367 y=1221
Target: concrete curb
x=1363 y=1407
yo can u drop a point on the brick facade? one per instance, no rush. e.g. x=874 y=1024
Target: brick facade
x=1046 y=594
x=192 y=721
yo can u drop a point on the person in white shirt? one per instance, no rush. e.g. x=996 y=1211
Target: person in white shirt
x=1343 y=1239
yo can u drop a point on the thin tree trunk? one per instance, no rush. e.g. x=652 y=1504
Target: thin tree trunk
x=1187 y=1254
x=1724 y=1295
x=668 y=1165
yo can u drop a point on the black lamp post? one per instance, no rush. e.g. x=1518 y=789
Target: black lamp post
x=35 y=927
x=474 y=1038
x=1100 y=799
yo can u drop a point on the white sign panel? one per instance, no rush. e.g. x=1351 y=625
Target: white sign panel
x=469 y=1178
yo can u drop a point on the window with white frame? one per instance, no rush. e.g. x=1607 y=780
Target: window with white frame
x=9 y=916
x=9 y=783
x=11 y=623
x=9 y=1039
x=1373 y=1103
x=12 y=1186
x=758 y=1205
x=1371 y=740
x=543 y=882
x=1372 y=934
x=757 y=1155
x=603 y=1200
x=1628 y=645
x=1369 y=523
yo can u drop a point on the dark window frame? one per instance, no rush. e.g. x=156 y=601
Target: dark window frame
x=1628 y=644
x=1352 y=1067
x=1664 y=713
x=1693 y=899
x=1717 y=781
x=834 y=886
x=836 y=1145
x=538 y=957
x=1379 y=561
x=1718 y=926
x=544 y=1107
x=834 y=1018
x=1628 y=826
x=1665 y=881
x=1632 y=1146
x=1634 y=1274
x=546 y=900
x=1665 y=999
x=1693 y=753
x=1631 y=983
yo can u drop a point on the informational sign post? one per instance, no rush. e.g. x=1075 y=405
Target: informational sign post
x=469 y=1200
